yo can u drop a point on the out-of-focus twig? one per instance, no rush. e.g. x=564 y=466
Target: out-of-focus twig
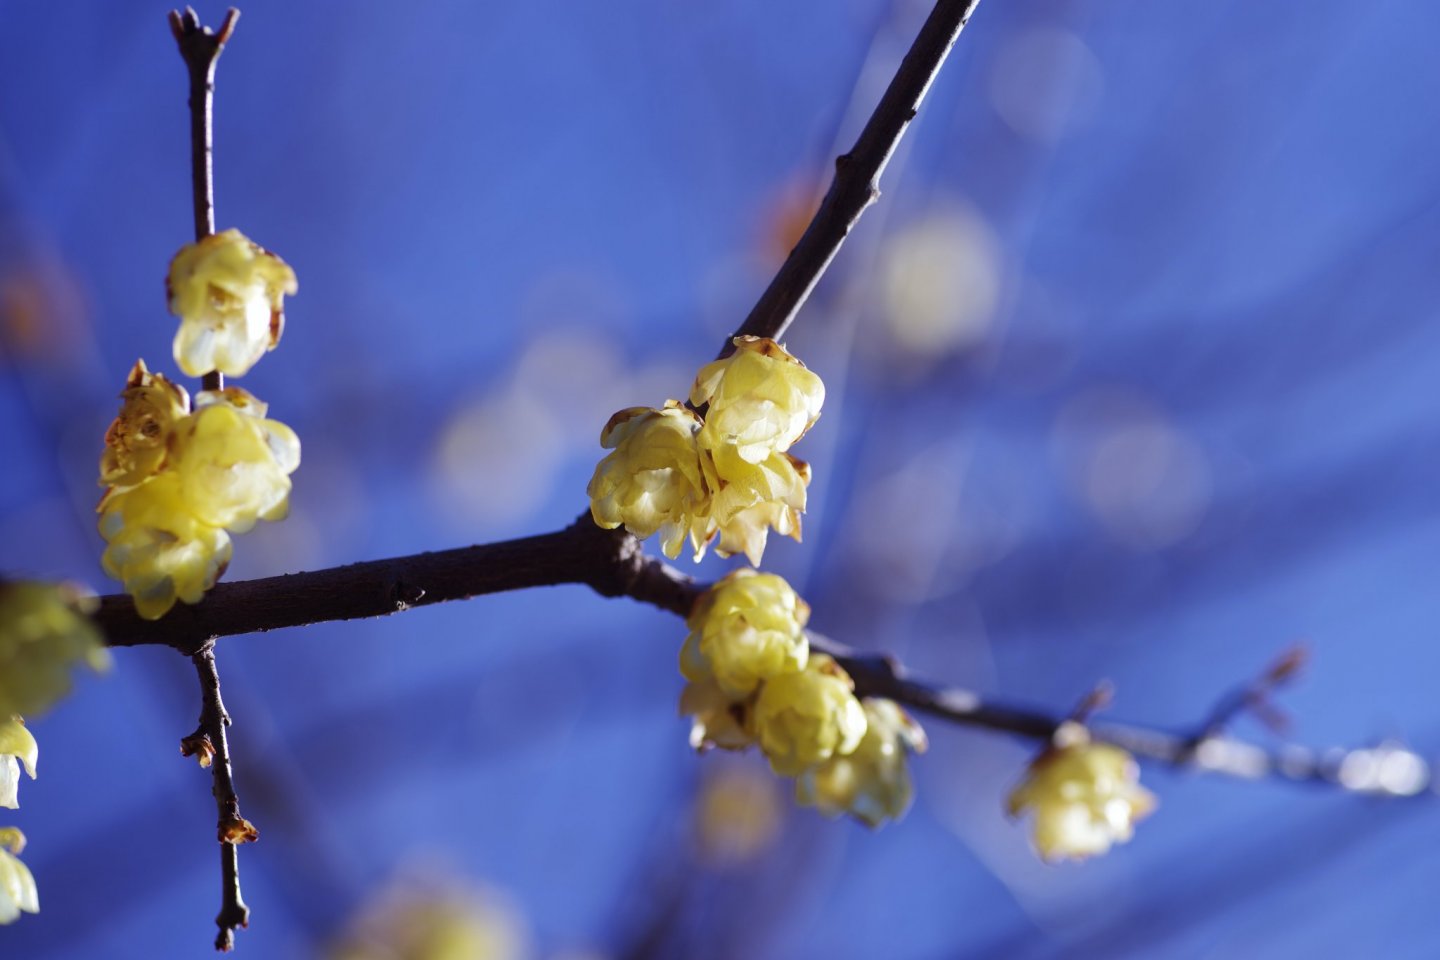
x=1254 y=697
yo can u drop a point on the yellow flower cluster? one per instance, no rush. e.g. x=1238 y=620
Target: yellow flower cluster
x=753 y=680
x=229 y=294
x=17 y=886
x=178 y=479
x=1086 y=796
x=726 y=474
x=44 y=632
x=17 y=883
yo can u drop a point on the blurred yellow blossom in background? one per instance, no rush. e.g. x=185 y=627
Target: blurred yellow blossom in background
x=433 y=919
x=738 y=814
x=44 y=634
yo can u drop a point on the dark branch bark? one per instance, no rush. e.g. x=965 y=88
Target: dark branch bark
x=857 y=173
x=612 y=562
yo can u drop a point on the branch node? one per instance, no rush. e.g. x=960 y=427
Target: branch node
x=405 y=595
x=198 y=43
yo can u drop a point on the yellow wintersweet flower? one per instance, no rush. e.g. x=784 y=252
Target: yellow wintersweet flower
x=234 y=465
x=158 y=548
x=43 y=634
x=17 y=746
x=229 y=294
x=739 y=814
x=747 y=628
x=802 y=719
x=138 y=441
x=715 y=719
x=1085 y=795
x=17 y=883
x=652 y=480
x=748 y=500
x=761 y=399
x=873 y=783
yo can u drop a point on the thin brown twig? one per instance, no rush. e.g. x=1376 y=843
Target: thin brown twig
x=857 y=174
x=211 y=744
x=201 y=48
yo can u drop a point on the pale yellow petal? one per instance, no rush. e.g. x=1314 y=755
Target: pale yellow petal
x=229 y=295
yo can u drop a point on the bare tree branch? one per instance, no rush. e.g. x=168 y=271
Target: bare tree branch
x=613 y=563
x=857 y=174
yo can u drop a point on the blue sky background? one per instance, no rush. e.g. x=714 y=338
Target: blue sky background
x=1131 y=375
